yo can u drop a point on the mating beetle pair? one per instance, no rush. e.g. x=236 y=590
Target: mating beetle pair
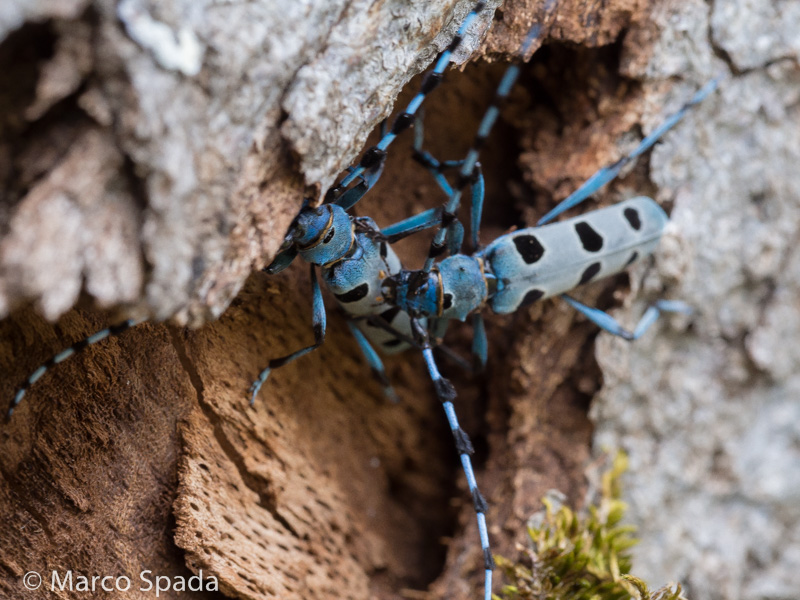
x=394 y=308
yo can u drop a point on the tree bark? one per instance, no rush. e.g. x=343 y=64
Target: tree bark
x=153 y=155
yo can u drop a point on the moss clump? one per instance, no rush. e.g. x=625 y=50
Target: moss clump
x=580 y=556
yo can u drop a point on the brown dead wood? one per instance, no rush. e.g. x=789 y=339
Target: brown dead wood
x=143 y=452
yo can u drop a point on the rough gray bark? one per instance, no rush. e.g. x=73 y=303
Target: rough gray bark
x=152 y=156
x=710 y=414
x=207 y=106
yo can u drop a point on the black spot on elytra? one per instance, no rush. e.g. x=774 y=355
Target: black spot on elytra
x=531 y=297
x=329 y=236
x=529 y=248
x=633 y=258
x=592 y=270
x=632 y=215
x=447 y=301
x=354 y=295
x=389 y=315
x=591 y=240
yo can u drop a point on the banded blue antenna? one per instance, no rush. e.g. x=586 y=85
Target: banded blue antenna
x=521 y=267
x=377 y=153
x=610 y=172
x=446 y=394
x=468 y=168
x=112 y=331
x=448 y=237
x=347 y=193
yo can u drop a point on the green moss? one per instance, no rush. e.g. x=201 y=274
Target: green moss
x=581 y=556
